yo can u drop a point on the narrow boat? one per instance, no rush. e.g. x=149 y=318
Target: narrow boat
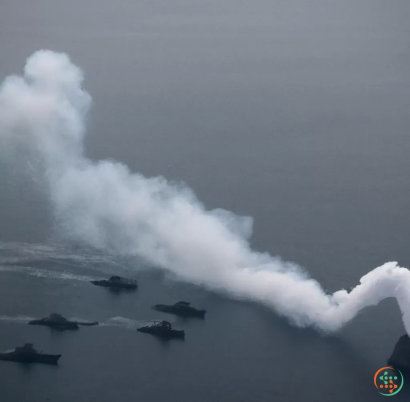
x=117 y=282
x=27 y=354
x=182 y=309
x=162 y=329
x=57 y=321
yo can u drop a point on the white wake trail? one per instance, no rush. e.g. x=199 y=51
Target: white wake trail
x=42 y=115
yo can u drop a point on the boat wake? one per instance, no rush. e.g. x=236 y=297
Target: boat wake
x=20 y=319
x=122 y=322
x=19 y=253
x=119 y=322
x=43 y=273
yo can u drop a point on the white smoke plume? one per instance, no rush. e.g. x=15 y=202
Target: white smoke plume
x=42 y=118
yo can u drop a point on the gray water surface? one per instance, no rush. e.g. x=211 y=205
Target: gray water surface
x=293 y=112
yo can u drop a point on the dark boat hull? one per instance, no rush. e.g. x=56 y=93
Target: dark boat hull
x=87 y=324
x=191 y=312
x=174 y=333
x=107 y=284
x=36 y=358
x=59 y=326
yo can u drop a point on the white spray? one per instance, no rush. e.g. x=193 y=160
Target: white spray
x=42 y=114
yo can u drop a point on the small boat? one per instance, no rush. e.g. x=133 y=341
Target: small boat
x=57 y=321
x=182 y=309
x=162 y=329
x=27 y=354
x=117 y=282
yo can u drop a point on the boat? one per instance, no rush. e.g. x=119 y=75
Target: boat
x=27 y=354
x=57 y=321
x=116 y=282
x=182 y=309
x=162 y=329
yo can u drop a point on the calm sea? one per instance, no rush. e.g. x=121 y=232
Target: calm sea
x=293 y=112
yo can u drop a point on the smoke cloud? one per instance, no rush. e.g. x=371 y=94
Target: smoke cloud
x=42 y=118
